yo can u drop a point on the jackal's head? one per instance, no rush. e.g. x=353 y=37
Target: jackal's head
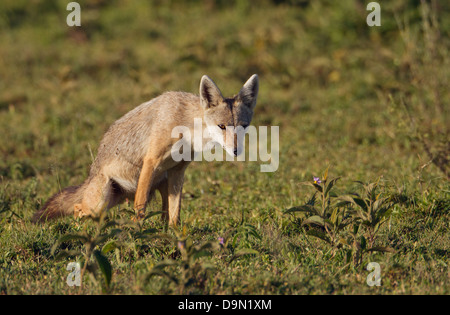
x=228 y=118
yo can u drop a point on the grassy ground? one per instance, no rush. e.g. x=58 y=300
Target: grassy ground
x=371 y=103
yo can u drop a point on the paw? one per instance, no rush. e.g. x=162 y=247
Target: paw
x=78 y=211
x=140 y=215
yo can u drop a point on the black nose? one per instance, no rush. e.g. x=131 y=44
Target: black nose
x=235 y=152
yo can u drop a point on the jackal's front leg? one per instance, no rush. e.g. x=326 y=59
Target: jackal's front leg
x=145 y=182
x=175 y=187
x=163 y=189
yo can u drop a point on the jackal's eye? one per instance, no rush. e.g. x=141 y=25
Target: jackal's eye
x=223 y=127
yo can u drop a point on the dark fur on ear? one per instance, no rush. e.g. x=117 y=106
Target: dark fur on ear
x=249 y=91
x=210 y=94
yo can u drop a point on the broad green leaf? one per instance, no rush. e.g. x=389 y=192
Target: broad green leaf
x=356 y=201
x=370 y=190
x=304 y=208
x=363 y=242
x=325 y=175
x=361 y=203
x=334 y=216
x=330 y=185
x=104 y=265
x=111 y=245
x=378 y=203
x=315 y=219
x=316 y=186
x=165 y=263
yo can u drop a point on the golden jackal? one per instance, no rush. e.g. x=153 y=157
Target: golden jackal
x=134 y=157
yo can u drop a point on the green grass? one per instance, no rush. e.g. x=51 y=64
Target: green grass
x=331 y=83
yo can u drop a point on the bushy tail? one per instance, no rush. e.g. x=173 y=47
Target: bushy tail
x=61 y=204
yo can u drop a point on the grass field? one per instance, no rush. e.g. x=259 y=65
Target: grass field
x=370 y=104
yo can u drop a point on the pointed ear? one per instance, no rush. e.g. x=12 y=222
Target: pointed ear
x=210 y=94
x=249 y=91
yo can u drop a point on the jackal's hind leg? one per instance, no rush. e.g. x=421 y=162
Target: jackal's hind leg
x=78 y=210
x=175 y=188
x=100 y=195
x=163 y=189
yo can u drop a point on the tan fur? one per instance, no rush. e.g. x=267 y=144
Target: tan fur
x=134 y=157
